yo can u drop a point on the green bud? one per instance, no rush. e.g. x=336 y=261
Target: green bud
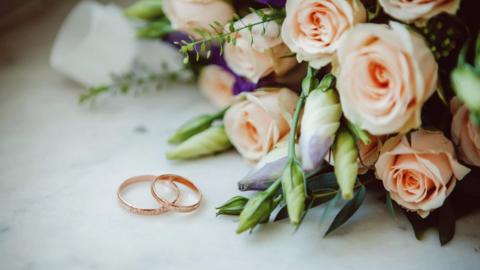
x=156 y=29
x=309 y=82
x=466 y=81
x=145 y=9
x=293 y=184
x=327 y=82
x=255 y=211
x=234 y=206
x=207 y=142
x=191 y=128
x=345 y=155
x=359 y=133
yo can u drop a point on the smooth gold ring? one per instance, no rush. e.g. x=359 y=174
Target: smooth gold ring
x=172 y=205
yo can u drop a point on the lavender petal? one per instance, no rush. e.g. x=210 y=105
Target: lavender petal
x=313 y=150
x=260 y=179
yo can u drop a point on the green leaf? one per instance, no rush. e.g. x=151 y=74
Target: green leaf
x=418 y=224
x=390 y=206
x=348 y=210
x=311 y=203
x=322 y=181
x=446 y=222
x=329 y=206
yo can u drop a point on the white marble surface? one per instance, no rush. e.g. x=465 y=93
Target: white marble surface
x=60 y=165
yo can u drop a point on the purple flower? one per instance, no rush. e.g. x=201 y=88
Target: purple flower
x=273 y=3
x=241 y=83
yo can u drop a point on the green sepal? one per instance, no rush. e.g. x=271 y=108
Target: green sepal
x=359 y=133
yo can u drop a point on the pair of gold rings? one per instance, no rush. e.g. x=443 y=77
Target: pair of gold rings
x=165 y=205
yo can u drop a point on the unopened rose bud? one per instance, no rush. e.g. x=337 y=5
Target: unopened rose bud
x=320 y=122
x=293 y=184
x=145 y=9
x=207 y=142
x=255 y=211
x=345 y=155
x=234 y=206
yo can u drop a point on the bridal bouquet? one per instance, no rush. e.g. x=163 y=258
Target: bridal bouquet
x=333 y=99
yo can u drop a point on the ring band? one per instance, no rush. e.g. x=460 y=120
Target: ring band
x=143 y=211
x=172 y=205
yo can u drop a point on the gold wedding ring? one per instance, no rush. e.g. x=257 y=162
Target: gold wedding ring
x=144 y=211
x=173 y=205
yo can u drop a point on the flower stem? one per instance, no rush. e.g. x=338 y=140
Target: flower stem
x=224 y=35
x=293 y=126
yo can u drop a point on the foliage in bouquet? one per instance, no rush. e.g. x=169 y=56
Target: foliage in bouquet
x=333 y=100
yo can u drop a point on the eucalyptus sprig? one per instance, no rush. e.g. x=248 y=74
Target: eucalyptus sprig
x=216 y=33
x=139 y=79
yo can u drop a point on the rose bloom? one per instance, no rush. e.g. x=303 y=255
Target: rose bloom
x=408 y=10
x=313 y=29
x=465 y=134
x=188 y=15
x=385 y=76
x=368 y=154
x=419 y=175
x=259 y=52
x=255 y=124
x=216 y=84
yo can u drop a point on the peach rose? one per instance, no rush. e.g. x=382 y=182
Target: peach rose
x=188 y=15
x=255 y=124
x=465 y=134
x=313 y=28
x=419 y=172
x=385 y=76
x=216 y=85
x=368 y=154
x=258 y=52
x=408 y=10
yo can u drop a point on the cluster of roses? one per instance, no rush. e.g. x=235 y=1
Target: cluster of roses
x=384 y=74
